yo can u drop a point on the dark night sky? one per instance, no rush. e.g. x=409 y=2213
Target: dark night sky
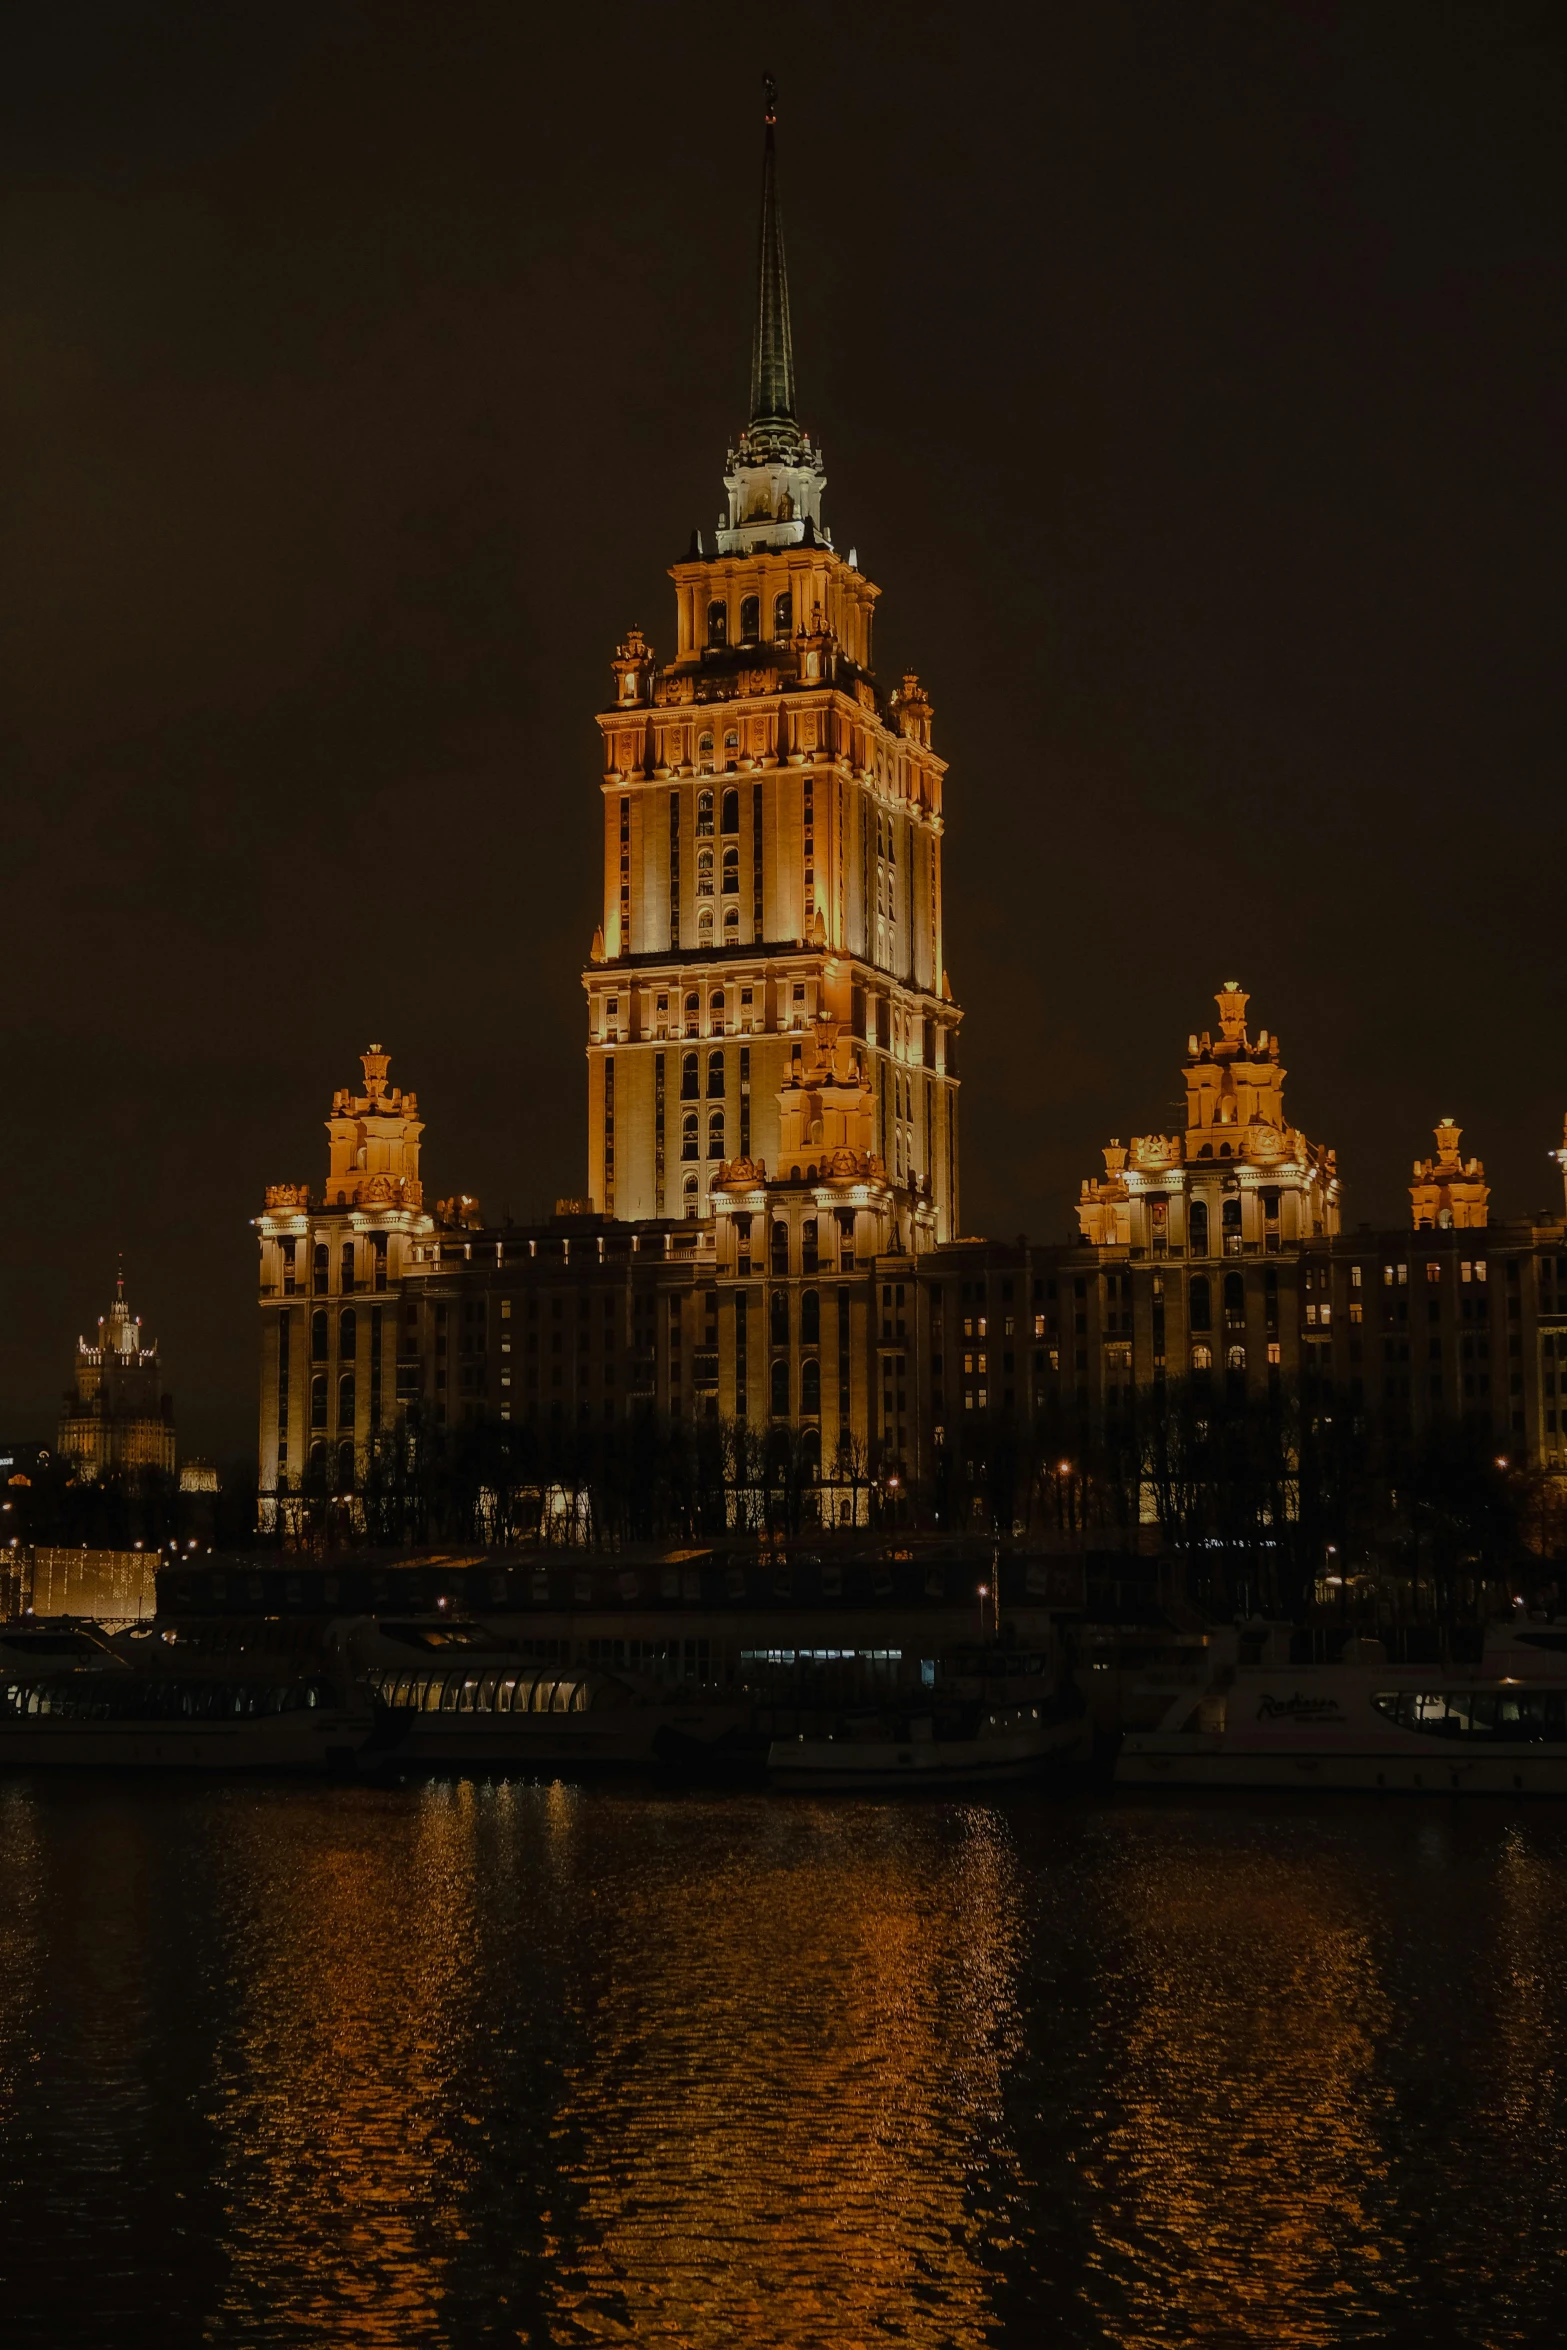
x=1189 y=379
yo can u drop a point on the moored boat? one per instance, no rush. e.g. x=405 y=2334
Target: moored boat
x=454 y=1694
x=1497 y=1725
x=986 y=1716
x=128 y=1720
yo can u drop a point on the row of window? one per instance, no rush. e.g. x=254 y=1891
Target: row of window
x=750 y=621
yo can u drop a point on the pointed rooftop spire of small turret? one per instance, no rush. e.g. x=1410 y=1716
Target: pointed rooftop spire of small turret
x=772 y=353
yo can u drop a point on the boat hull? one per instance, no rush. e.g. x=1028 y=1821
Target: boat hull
x=616 y=1738
x=876 y=1766
x=1176 y=1761
x=312 y=1741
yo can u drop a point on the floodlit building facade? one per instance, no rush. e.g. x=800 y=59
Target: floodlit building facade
x=770 y=1235
x=117 y=1415
x=772 y=847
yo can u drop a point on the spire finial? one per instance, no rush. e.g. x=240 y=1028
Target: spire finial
x=772 y=355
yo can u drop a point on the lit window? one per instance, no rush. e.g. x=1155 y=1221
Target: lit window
x=1274 y=1355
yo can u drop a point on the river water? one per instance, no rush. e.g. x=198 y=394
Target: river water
x=465 y=2063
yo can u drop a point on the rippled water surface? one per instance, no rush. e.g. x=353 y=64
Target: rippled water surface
x=464 y=2064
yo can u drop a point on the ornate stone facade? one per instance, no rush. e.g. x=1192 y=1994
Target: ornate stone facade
x=117 y=1416
x=1240 y=1177
x=329 y=1366
x=1449 y=1193
x=772 y=844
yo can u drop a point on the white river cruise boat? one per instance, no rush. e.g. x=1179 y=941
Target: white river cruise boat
x=452 y=1693
x=1497 y=1726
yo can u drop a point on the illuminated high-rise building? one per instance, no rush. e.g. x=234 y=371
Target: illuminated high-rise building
x=772 y=850
x=118 y=1416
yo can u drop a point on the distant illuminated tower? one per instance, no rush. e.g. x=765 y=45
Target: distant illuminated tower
x=329 y=1363
x=1449 y=1191
x=772 y=846
x=118 y=1416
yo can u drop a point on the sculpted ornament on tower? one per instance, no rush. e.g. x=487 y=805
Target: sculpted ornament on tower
x=1240 y=1174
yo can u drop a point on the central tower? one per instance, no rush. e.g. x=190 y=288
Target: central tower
x=772 y=842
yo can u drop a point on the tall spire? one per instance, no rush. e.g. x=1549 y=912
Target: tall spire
x=772 y=353
x=774 y=479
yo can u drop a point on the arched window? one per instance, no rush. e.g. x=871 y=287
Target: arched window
x=704 y=873
x=715 y=1135
x=321 y=1262
x=1202 y=1358
x=750 y=619
x=345 y=1400
x=810 y=1318
x=731 y=925
x=345 y=1468
x=780 y=1395
x=693 y=1014
x=780 y=1317
x=730 y=820
x=731 y=749
x=318 y=1335
x=811 y=1456
x=347 y=1333
x=704 y=755
x=1234 y=1296
x=317 y=1460
x=783 y=614
x=715 y=1015
x=1199 y=1228
x=1201 y=1307
x=1230 y=1223
x=717 y=623
x=731 y=873
x=704 y=927
x=780 y=1247
x=318 y=1400
x=704 y=799
x=688 y=1135
x=690 y=1090
x=690 y=1199
x=1236 y=1358
x=715 y=1077
x=810 y=1387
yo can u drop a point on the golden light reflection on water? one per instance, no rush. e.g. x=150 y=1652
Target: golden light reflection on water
x=462 y=2064
x=352 y=1979
x=1240 y=2180
x=788 y=2084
